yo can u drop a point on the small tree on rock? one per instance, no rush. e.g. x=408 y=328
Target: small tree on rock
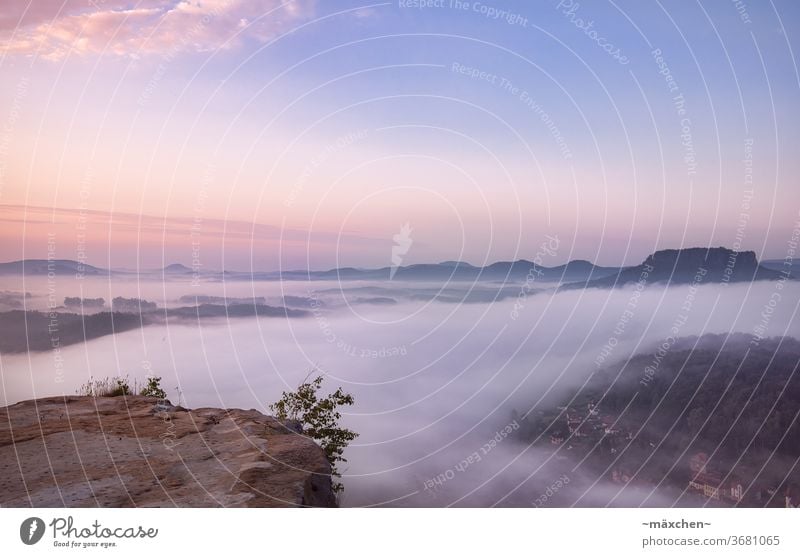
x=320 y=418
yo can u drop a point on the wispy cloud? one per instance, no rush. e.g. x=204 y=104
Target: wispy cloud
x=53 y=30
x=119 y=239
x=174 y=226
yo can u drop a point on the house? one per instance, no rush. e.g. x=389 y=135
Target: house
x=706 y=483
x=791 y=498
x=711 y=484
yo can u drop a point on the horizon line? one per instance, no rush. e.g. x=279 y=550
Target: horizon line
x=377 y=268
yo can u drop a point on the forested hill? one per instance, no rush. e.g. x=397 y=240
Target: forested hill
x=727 y=390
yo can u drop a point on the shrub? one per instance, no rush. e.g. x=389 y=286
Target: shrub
x=320 y=418
x=153 y=388
x=121 y=388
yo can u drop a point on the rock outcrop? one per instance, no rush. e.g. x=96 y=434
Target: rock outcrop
x=78 y=451
x=688 y=265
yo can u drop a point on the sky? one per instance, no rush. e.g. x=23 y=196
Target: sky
x=266 y=134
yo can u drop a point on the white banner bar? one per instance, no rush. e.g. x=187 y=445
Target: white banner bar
x=371 y=532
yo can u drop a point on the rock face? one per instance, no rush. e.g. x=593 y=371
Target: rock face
x=682 y=266
x=78 y=451
x=684 y=263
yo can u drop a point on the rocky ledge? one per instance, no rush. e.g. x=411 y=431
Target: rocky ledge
x=136 y=451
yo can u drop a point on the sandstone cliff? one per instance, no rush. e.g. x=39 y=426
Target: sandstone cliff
x=686 y=266
x=78 y=451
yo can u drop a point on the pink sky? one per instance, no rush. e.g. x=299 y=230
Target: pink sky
x=252 y=118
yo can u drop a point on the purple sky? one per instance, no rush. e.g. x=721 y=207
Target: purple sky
x=309 y=133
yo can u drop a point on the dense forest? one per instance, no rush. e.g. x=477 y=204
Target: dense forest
x=24 y=331
x=734 y=401
x=36 y=330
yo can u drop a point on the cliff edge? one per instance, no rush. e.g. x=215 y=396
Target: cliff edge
x=135 y=451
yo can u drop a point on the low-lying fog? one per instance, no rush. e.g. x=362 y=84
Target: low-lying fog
x=434 y=381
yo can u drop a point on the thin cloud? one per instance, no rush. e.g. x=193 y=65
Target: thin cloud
x=176 y=226
x=55 y=30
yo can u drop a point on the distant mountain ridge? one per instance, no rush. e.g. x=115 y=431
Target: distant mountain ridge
x=46 y=266
x=518 y=270
x=502 y=271
x=674 y=266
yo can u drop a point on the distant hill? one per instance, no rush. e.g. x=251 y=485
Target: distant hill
x=793 y=267
x=684 y=266
x=31 y=267
x=456 y=264
x=176 y=269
